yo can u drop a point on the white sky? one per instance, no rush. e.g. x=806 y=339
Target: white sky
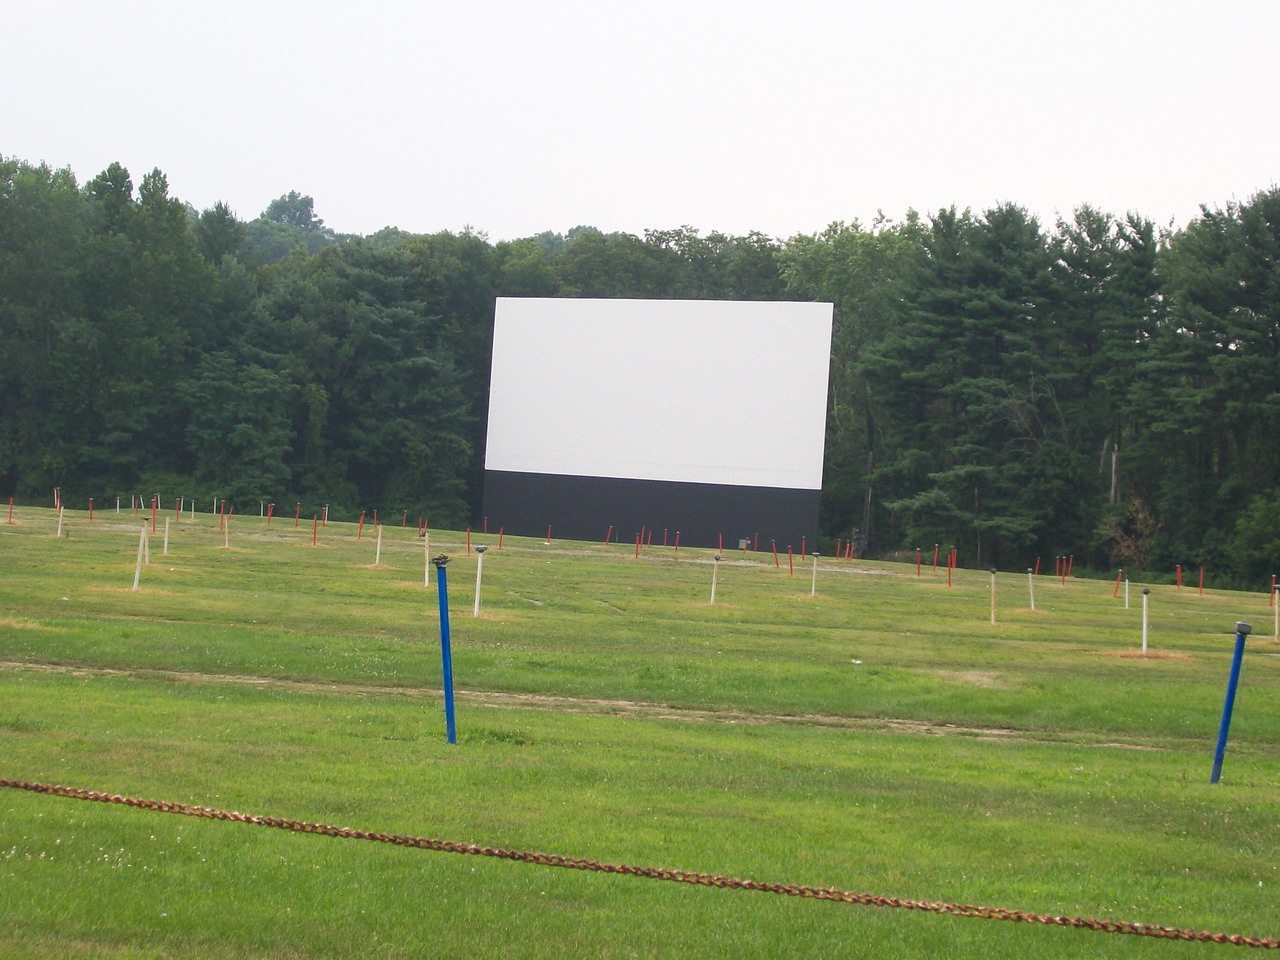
x=734 y=115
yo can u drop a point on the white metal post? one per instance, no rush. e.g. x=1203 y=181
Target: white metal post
x=1146 y=596
x=479 y=572
x=137 y=569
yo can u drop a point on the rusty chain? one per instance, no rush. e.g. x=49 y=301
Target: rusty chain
x=655 y=873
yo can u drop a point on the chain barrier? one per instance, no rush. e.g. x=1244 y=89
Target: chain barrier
x=655 y=873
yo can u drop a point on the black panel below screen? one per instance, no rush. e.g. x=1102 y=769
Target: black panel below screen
x=583 y=508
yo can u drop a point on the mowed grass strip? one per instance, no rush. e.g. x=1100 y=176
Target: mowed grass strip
x=1075 y=780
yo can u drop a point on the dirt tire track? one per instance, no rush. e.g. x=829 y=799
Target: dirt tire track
x=588 y=706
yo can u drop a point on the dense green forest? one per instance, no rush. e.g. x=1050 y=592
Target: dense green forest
x=1095 y=387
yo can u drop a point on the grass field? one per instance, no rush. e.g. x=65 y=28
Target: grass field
x=881 y=736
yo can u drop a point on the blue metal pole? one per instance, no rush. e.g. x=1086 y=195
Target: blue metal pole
x=1242 y=630
x=442 y=588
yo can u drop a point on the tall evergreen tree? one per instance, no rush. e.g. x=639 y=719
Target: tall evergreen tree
x=42 y=240
x=966 y=375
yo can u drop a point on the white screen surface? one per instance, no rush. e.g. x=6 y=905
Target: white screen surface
x=699 y=391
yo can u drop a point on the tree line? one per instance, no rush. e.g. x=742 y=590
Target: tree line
x=1096 y=387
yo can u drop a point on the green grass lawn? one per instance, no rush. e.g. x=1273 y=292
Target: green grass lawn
x=881 y=736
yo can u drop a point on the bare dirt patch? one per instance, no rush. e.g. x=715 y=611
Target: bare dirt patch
x=142 y=588
x=535 y=602
x=975 y=678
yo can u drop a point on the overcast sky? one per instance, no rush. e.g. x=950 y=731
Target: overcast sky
x=518 y=117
